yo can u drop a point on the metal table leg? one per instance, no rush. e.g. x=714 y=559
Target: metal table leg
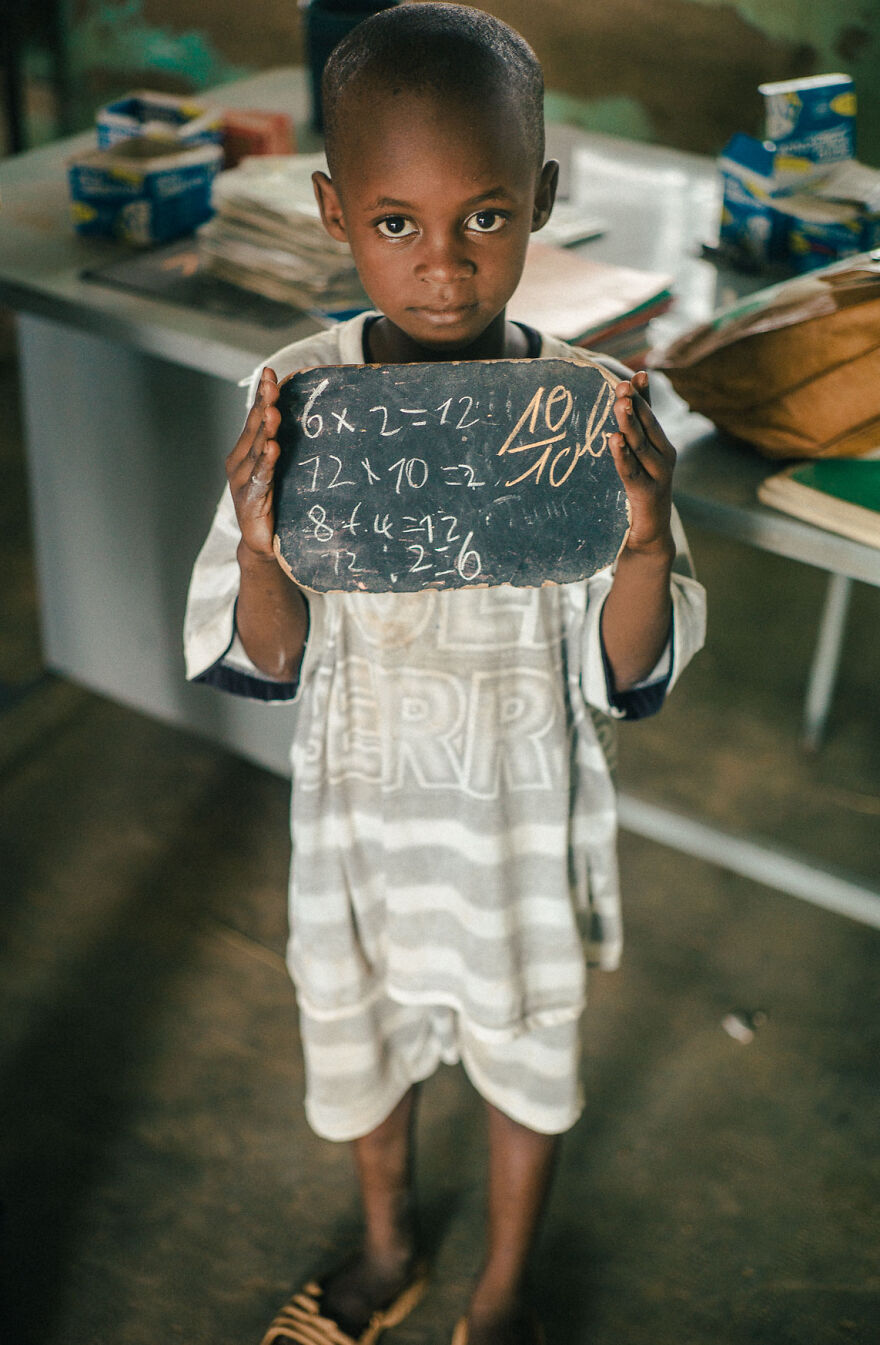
x=826 y=660
x=754 y=858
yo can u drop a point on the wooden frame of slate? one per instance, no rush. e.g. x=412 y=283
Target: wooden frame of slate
x=395 y=478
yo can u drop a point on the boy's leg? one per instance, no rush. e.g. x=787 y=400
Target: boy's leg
x=521 y=1165
x=384 y=1163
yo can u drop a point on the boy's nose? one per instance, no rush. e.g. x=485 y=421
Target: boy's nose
x=444 y=261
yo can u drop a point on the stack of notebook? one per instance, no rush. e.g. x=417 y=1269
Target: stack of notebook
x=267 y=236
x=604 y=307
x=842 y=495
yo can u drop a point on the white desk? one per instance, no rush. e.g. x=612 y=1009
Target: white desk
x=131 y=404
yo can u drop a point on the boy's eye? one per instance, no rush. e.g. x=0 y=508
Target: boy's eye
x=396 y=226
x=486 y=221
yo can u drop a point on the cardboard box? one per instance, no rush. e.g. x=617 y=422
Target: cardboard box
x=835 y=212
x=143 y=190
x=159 y=116
x=821 y=232
x=838 y=217
x=751 y=231
x=812 y=122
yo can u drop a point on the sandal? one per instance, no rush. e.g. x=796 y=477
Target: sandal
x=300 y=1319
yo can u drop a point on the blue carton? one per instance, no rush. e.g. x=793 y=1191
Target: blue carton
x=812 y=122
x=161 y=116
x=820 y=232
x=143 y=190
x=751 y=231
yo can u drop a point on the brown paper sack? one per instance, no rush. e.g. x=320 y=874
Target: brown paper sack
x=794 y=369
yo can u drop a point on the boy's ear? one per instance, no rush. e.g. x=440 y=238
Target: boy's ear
x=545 y=194
x=330 y=207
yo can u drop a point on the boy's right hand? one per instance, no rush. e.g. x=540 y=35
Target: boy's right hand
x=271 y=615
x=250 y=469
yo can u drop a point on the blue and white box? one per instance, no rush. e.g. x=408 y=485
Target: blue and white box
x=159 y=115
x=812 y=122
x=143 y=190
x=751 y=231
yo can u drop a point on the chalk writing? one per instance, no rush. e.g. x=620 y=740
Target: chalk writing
x=474 y=473
x=595 y=437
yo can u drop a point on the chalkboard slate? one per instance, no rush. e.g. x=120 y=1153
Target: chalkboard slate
x=395 y=478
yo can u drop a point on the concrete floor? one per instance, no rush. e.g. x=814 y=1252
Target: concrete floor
x=158 y=1182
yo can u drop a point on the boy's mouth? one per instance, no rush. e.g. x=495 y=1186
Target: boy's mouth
x=446 y=316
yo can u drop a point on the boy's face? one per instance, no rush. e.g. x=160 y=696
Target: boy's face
x=437 y=202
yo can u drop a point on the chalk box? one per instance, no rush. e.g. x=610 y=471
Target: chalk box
x=160 y=116
x=143 y=190
x=812 y=122
x=821 y=232
x=763 y=223
x=750 y=228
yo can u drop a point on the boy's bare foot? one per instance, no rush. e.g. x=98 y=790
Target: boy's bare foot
x=514 y=1325
x=363 y=1286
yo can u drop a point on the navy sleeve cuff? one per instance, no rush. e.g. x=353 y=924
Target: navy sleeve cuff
x=224 y=678
x=639 y=702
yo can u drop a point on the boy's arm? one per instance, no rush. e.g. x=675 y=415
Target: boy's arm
x=271 y=615
x=637 y=613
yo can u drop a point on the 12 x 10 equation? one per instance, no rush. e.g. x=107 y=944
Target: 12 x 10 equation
x=493 y=472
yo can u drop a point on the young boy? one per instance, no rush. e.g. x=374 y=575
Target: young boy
x=453 y=810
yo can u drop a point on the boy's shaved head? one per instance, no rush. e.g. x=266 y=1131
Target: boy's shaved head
x=446 y=51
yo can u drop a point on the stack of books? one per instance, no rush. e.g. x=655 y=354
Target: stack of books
x=842 y=495
x=604 y=307
x=266 y=236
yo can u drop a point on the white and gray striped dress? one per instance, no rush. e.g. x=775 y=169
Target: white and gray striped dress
x=453 y=820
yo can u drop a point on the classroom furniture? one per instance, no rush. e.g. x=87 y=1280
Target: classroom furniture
x=129 y=404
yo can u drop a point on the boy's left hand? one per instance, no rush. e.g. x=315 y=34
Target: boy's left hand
x=645 y=460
